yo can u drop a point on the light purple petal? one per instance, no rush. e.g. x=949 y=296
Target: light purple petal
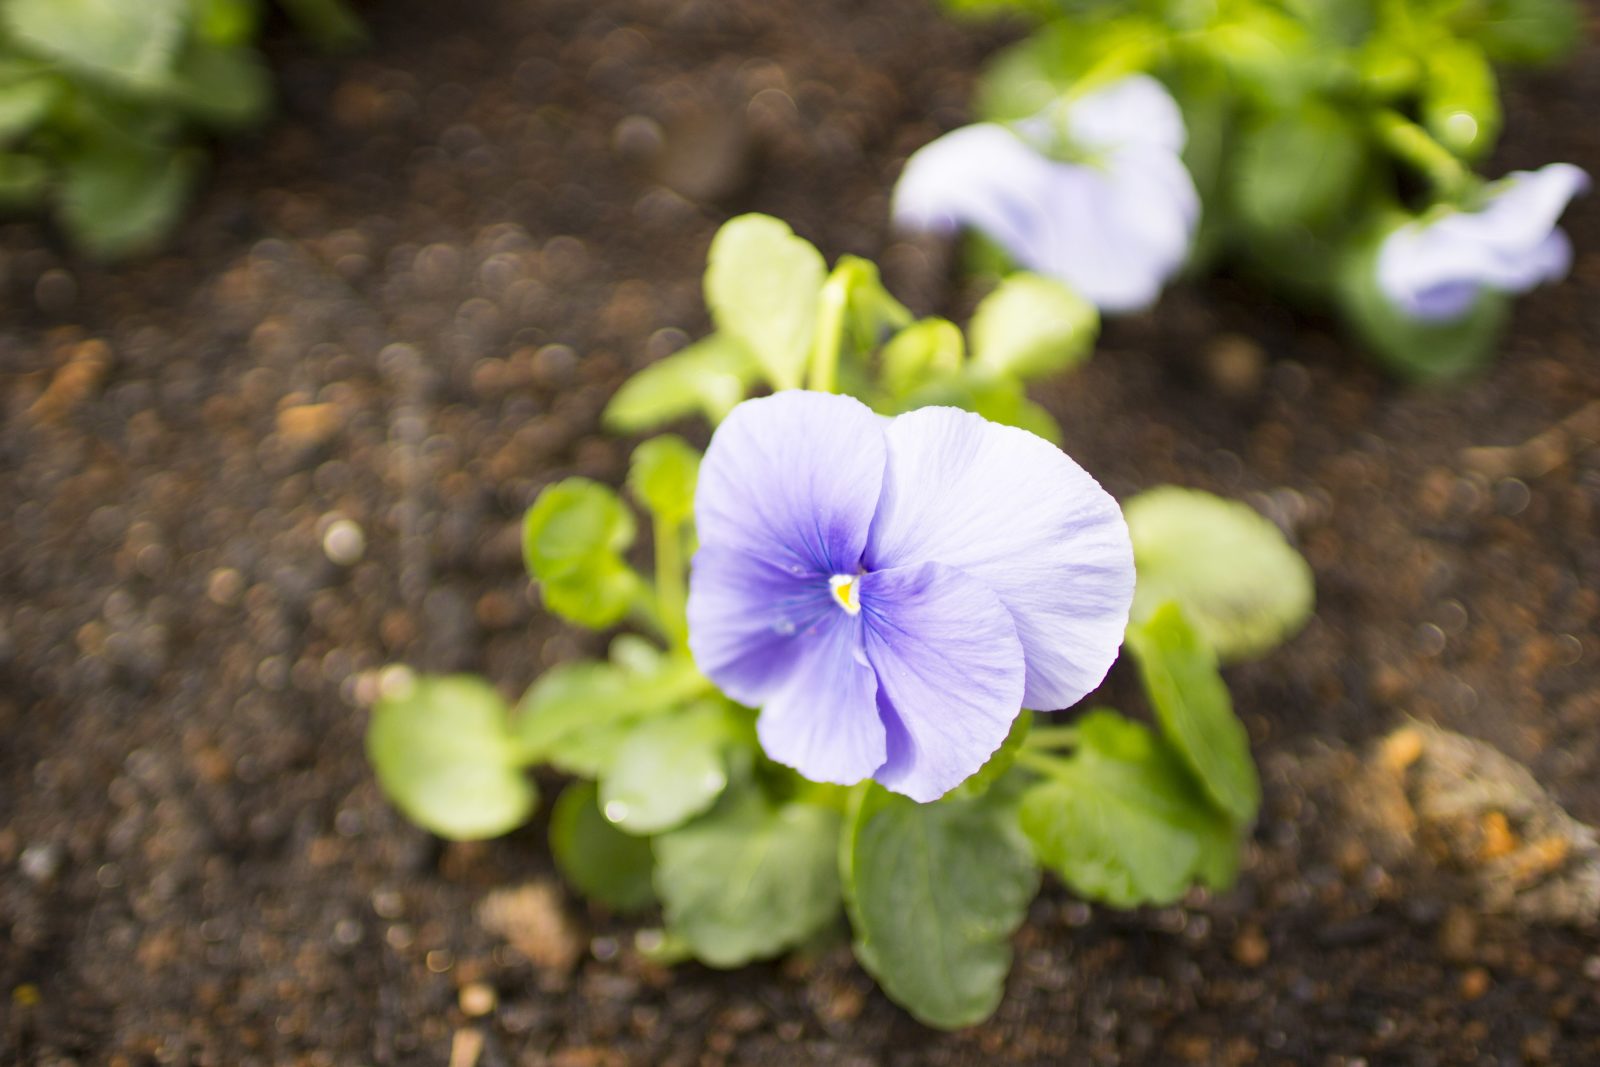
x=950 y=675
x=1015 y=513
x=1434 y=269
x=1135 y=111
x=824 y=721
x=1114 y=231
x=793 y=479
x=749 y=620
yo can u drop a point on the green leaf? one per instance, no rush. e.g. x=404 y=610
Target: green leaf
x=662 y=475
x=330 y=23
x=134 y=43
x=23 y=180
x=925 y=349
x=221 y=86
x=667 y=770
x=1414 y=348
x=1180 y=676
x=870 y=309
x=577 y=715
x=24 y=104
x=1529 y=31
x=708 y=378
x=762 y=284
x=1005 y=757
x=998 y=399
x=118 y=201
x=1460 y=99
x=598 y=859
x=227 y=22
x=1032 y=326
x=1122 y=821
x=1299 y=168
x=1237 y=578
x=749 y=880
x=936 y=891
x=444 y=754
x=573 y=540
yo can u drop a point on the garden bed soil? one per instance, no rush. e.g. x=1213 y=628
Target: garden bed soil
x=405 y=304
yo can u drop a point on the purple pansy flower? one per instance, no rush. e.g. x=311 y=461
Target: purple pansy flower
x=1435 y=269
x=1115 y=224
x=891 y=592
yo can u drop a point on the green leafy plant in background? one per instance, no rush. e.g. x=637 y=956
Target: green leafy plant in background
x=1315 y=130
x=671 y=801
x=102 y=103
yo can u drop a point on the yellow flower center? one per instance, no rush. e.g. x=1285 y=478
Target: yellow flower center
x=846 y=590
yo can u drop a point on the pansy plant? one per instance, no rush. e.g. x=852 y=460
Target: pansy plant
x=837 y=696
x=1327 y=149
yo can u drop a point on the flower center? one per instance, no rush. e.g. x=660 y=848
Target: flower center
x=846 y=589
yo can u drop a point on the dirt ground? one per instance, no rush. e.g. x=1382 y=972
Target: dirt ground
x=404 y=306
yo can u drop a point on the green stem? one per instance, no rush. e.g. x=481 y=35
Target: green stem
x=830 y=334
x=1041 y=762
x=1051 y=737
x=646 y=607
x=1451 y=179
x=671 y=597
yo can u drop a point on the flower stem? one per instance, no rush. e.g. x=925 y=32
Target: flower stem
x=671 y=595
x=1041 y=762
x=1451 y=179
x=830 y=333
x=1051 y=737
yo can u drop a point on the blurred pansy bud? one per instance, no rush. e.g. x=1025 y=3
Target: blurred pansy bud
x=1435 y=267
x=1092 y=191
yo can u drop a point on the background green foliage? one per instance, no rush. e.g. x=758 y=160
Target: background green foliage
x=1315 y=127
x=103 y=103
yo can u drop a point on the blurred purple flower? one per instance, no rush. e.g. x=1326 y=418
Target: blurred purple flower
x=1434 y=269
x=891 y=592
x=1115 y=226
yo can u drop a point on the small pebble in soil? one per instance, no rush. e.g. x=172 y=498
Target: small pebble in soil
x=344 y=542
x=477 y=999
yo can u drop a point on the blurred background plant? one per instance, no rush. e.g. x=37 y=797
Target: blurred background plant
x=1317 y=130
x=104 y=104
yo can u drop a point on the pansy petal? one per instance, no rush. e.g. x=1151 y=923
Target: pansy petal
x=1115 y=231
x=824 y=721
x=1434 y=269
x=749 y=620
x=1136 y=110
x=793 y=479
x=982 y=176
x=950 y=674
x=1015 y=513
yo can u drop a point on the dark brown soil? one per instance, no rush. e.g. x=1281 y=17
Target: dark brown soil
x=405 y=305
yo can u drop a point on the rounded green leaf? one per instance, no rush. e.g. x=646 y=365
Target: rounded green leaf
x=926 y=348
x=598 y=859
x=749 y=880
x=936 y=891
x=1179 y=670
x=118 y=200
x=1122 y=821
x=1460 y=98
x=762 y=284
x=444 y=754
x=662 y=475
x=1413 y=348
x=1031 y=326
x=707 y=378
x=131 y=42
x=1237 y=578
x=667 y=770
x=577 y=715
x=573 y=540
x=1298 y=168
